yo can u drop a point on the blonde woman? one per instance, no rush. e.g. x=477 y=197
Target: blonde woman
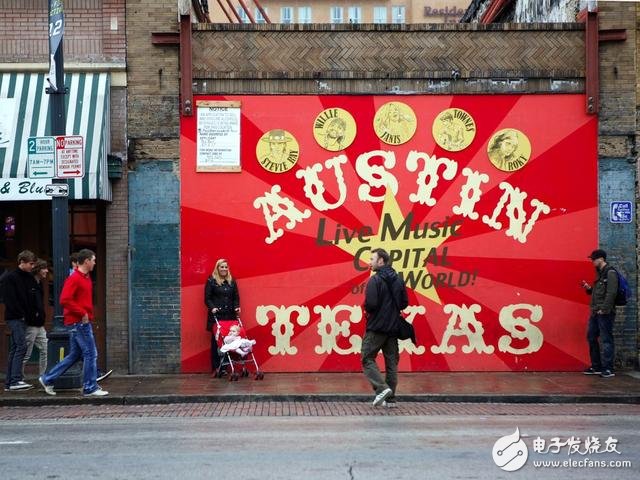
x=222 y=300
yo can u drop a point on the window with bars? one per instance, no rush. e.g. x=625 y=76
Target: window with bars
x=304 y=14
x=355 y=15
x=259 y=17
x=242 y=14
x=379 y=14
x=337 y=14
x=286 y=15
x=398 y=14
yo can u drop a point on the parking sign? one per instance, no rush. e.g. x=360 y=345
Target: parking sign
x=69 y=156
x=41 y=157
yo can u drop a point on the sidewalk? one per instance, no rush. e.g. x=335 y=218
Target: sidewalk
x=483 y=387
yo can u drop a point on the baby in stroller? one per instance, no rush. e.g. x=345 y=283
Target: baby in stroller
x=234 y=342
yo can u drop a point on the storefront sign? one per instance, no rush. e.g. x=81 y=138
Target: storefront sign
x=491 y=252
x=23 y=189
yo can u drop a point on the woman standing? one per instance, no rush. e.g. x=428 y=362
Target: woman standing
x=223 y=301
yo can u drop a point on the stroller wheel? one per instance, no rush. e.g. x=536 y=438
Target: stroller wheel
x=259 y=376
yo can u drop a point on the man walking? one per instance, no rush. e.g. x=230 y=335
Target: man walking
x=19 y=290
x=603 y=314
x=77 y=300
x=35 y=332
x=385 y=297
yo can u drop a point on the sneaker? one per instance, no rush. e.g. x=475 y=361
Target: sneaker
x=592 y=371
x=48 y=389
x=389 y=404
x=103 y=375
x=607 y=374
x=96 y=393
x=20 y=386
x=382 y=396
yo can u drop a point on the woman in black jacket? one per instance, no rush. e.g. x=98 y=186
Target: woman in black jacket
x=223 y=301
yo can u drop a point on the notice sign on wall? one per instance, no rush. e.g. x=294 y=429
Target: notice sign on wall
x=218 y=136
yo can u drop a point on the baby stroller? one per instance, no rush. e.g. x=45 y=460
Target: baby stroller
x=237 y=363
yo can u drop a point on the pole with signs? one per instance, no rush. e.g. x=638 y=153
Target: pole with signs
x=59 y=337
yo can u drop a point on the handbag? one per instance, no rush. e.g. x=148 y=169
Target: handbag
x=403 y=330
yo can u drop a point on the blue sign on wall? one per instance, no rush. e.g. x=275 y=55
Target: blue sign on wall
x=621 y=212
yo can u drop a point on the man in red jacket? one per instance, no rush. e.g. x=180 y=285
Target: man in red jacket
x=77 y=300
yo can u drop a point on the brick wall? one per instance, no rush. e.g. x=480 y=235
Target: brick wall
x=618 y=152
x=154 y=218
x=154 y=228
x=94 y=31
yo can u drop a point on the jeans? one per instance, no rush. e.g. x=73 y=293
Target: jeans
x=81 y=345
x=601 y=328
x=36 y=336
x=17 y=351
x=372 y=343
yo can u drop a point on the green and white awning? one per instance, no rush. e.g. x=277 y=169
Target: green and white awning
x=24 y=113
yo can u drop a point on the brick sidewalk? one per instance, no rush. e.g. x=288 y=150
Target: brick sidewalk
x=303 y=409
x=492 y=387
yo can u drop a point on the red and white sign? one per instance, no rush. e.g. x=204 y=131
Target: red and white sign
x=70 y=156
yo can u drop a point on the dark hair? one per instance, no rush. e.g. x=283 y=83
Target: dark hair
x=39 y=266
x=73 y=258
x=26 y=256
x=84 y=255
x=382 y=253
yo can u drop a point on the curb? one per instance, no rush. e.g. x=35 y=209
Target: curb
x=424 y=398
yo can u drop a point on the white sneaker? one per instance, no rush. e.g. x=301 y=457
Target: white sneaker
x=48 y=389
x=382 y=396
x=96 y=393
x=386 y=404
x=20 y=386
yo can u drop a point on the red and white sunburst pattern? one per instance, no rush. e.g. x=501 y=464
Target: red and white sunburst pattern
x=218 y=220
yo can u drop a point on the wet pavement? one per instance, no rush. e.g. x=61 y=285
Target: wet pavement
x=483 y=387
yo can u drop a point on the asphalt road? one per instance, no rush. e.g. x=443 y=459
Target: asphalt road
x=457 y=445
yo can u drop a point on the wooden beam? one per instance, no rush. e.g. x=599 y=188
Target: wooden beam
x=165 y=38
x=592 y=64
x=186 y=67
x=494 y=10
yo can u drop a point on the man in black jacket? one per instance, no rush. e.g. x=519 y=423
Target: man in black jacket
x=19 y=290
x=603 y=315
x=385 y=297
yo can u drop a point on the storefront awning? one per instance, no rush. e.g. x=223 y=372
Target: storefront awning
x=24 y=113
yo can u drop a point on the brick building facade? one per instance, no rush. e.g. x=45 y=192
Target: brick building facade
x=265 y=59
x=94 y=52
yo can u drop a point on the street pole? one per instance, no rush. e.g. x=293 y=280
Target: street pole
x=59 y=337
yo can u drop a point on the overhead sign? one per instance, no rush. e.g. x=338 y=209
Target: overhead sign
x=621 y=212
x=57 y=190
x=41 y=155
x=69 y=156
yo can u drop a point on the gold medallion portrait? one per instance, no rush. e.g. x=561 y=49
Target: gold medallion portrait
x=509 y=150
x=395 y=123
x=454 y=129
x=334 y=129
x=277 y=151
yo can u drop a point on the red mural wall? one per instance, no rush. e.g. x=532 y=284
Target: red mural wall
x=488 y=205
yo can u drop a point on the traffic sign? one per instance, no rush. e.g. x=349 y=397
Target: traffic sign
x=57 y=190
x=69 y=156
x=41 y=157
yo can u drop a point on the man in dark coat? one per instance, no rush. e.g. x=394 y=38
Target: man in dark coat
x=19 y=291
x=385 y=297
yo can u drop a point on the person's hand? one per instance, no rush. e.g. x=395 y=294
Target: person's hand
x=600 y=312
x=238 y=310
x=214 y=310
x=585 y=285
x=85 y=318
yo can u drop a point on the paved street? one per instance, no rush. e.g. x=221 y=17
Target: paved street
x=323 y=440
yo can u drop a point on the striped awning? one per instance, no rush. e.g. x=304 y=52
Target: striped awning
x=24 y=113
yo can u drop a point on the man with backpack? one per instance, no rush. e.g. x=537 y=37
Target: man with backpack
x=603 y=312
x=385 y=297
